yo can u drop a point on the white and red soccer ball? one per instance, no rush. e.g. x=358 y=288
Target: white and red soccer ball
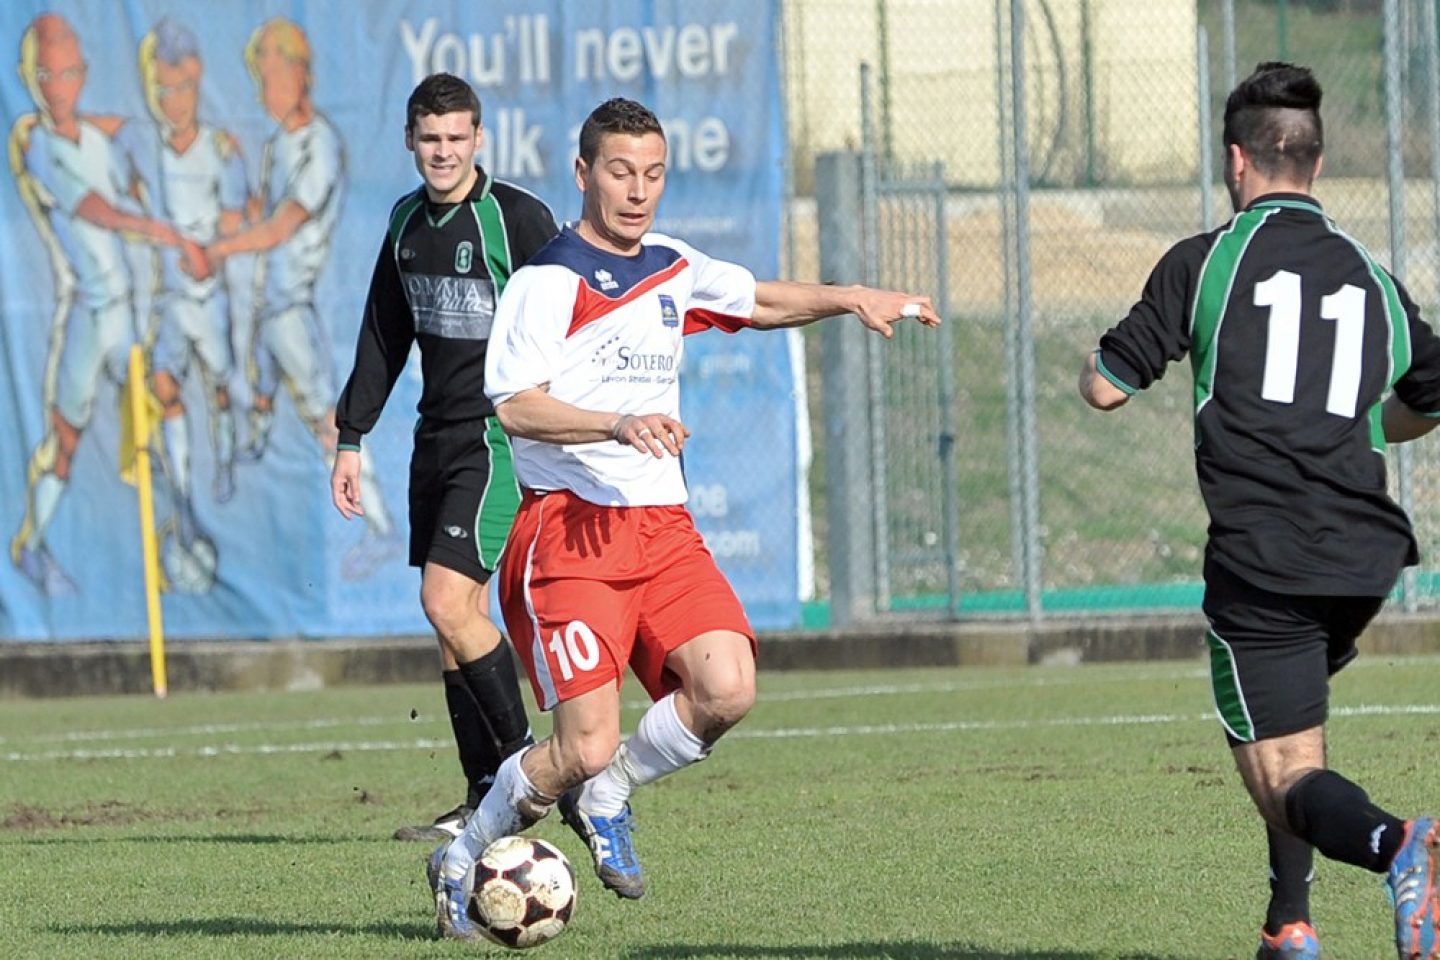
x=524 y=892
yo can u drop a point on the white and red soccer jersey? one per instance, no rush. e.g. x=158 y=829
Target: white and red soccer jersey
x=606 y=332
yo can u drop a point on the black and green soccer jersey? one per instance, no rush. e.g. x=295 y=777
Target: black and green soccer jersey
x=436 y=282
x=1295 y=336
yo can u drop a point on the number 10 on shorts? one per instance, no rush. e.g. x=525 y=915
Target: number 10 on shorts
x=577 y=650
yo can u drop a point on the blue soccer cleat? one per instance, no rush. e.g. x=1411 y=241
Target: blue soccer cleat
x=1412 y=891
x=452 y=899
x=1295 y=941
x=610 y=845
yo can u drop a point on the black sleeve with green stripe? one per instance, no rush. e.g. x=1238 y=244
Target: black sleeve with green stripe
x=1156 y=332
x=386 y=332
x=1419 y=387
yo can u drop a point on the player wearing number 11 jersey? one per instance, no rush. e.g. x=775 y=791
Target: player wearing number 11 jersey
x=1296 y=336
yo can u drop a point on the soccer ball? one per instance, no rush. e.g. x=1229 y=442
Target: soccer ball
x=190 y=568
x=524 y=892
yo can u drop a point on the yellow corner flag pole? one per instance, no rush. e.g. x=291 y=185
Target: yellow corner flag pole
x=140 y=433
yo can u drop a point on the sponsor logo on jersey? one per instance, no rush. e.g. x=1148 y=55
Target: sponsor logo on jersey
x=606 y=281
x=457 y=308
x=406 y=253
x=627 y=359
x=464 y=256
x=668 y=314
x=457 y=532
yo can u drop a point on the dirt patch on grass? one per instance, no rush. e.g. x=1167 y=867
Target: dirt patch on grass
x=23 y=818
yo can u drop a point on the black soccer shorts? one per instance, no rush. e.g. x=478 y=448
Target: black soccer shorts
x=1272 y=654
x=463 y=496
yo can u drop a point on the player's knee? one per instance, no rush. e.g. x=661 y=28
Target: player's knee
x=582 y=757
x=724 y=700
x=447 y=609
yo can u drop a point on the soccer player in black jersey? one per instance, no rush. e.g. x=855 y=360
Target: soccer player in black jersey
x=450 y=247
x=1296 y=336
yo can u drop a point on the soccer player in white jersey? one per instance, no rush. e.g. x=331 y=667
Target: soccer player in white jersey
x=605 y=568
x=302 y=173
x=197 y=182
x=76 y=175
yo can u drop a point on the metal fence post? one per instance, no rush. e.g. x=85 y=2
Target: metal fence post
x=1025 y=337
x=1202 y=96
x=1395 y=178
x=870 y=275
x=846 y=402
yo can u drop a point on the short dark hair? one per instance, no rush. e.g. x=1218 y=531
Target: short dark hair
x=1274 y=116
x=616 y=115
x=438 y=94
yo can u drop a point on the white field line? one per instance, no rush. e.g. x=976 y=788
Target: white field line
x=784 y=733
x=1073 y=678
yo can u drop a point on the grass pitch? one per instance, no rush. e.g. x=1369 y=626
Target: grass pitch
x=1074 y=813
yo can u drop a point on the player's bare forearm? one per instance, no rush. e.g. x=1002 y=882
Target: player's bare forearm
x=786 y=303
x=265 y=235
x=535 y=415
x=1099 y=392
x=1402 y=423
x=95 y=209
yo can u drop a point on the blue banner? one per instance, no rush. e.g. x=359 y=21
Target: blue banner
x=299 y=148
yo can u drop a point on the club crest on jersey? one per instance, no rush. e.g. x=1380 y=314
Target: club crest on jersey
x=464 y=256
x=668 y=314
x=606 y=281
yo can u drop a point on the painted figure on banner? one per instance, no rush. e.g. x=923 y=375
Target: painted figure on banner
x=302 y=185
x=77 y=175
x=196 y=181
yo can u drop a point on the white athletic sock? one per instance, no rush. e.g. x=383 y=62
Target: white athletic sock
x=660 y=746
x=48 y=490
x=177 y=452
x=499 y=815
x=223 y=424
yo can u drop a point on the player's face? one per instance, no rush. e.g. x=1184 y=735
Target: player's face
x=444 y=146
x=282 y=80
x=622 y=188
x=177 y=90
x=60 y=75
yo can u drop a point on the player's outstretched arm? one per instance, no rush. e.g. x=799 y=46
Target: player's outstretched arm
x=1401 y=423
x=535 y=415
x=1099 y=392
x=785 y=303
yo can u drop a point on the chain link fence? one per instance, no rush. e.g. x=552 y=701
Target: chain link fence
x=1074 y=142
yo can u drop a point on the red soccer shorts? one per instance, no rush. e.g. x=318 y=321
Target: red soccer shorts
x=586 y=590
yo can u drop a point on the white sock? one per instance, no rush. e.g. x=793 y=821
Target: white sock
x=661 y=745
x=223 y=425
x=47 y=493
x=499 y=815
x=177 y=450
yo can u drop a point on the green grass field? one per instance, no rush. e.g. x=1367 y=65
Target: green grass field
x=1046 y=813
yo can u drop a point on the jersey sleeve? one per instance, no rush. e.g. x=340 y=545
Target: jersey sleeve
x=535 y=229
x=57 y=184
x=723 y=297
x=233 y=188
x=316 y=175
x=532 y=320
x=1419 y=386
x=383 y=347
x=1134 y=353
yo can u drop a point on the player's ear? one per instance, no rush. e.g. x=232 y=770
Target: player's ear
x=479 y=135
x=409 y=139
x=582 y=170
x=1319 y=165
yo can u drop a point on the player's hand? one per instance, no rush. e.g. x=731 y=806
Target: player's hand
x=345 y=484
x=880 y=310
x=193 y=261
x=652 y=433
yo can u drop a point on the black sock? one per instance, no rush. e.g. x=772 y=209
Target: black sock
x=496 y=688
x=479 y=755
x=1292 y=863
x=1337 y=817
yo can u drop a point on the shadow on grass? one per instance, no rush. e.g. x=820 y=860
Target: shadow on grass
x=864 y=950
x=237 y=839
x=246 y=927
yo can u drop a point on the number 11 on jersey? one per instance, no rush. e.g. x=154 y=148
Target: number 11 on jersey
x=1346 y=306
